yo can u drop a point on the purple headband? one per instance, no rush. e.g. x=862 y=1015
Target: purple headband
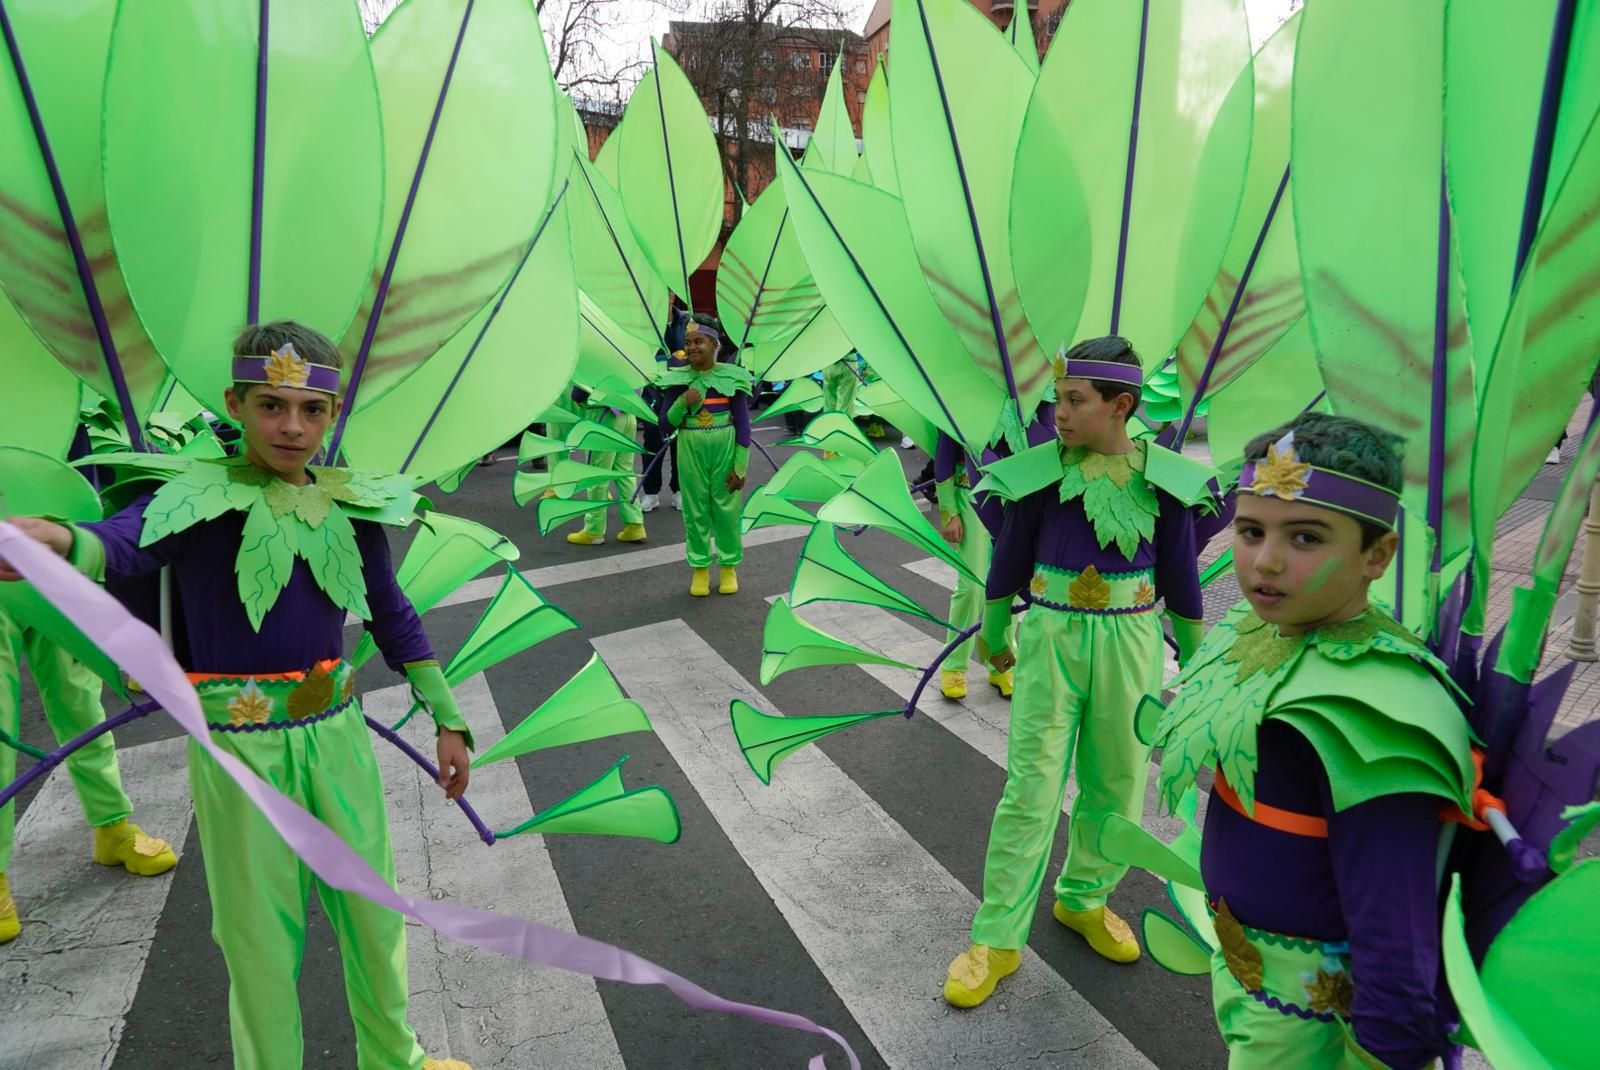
x=285 y=367
x=1076 y=368
x=696 y=327
x=1283 y=475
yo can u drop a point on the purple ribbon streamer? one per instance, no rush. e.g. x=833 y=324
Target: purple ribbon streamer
x=139 y=650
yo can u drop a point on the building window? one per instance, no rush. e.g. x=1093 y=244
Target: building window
x=766 y=59
x=692 y=60
x=769 y=94
x=800 y=61
x=825 y=61
x=860 y=66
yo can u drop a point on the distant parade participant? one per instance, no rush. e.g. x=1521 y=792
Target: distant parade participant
x=961 y=527
x=626 y=424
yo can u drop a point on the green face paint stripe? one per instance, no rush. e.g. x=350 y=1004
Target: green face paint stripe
x=1319 y=579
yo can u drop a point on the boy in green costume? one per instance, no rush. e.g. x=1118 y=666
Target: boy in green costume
x=1337 y=744
x=1093 y=540
x=709 y=402
x=626 y=424
x=71 y=698
x=269 y=555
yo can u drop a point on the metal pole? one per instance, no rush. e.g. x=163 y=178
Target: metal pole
x=1582 y=646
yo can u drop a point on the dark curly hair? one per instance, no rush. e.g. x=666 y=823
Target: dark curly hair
x=261 y=339
x=1114 y=350
x=1345 y=445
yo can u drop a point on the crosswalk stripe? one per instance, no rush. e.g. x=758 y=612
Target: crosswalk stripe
x=876 y=912
x=493 y=1012
x=68 y=982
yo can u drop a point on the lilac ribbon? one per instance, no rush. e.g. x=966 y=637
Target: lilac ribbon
x=139 y=651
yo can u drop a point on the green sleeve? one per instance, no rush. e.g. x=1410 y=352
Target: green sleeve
x=997 y=625
x=741 y=460
x=678 y=412
x=430 y=690
x=88 y=553
x=1188 y=634
x=949 y=499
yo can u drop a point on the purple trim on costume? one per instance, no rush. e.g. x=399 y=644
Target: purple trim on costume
x=254 y=370
x=1290 y=1008
x=1441 y=376
x=1544 y=134
x=72 y=746
x=1104 y=369
x=69 y=223
x=972 y=216
x=1127 y=182
x=1204 y=382
x=487 y=323
x=382 y=295
x=277 y=726
x=672 y=180
x=411 y=752
x=258 y=175
x=1337 y=491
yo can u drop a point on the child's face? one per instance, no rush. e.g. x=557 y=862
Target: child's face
x=1084 y=418
x=283 y=427
x=701 y=349
x=1302 y=566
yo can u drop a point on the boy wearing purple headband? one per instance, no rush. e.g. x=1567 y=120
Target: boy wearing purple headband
x=269 y=555
x=1097 y=531
x=1336 y=741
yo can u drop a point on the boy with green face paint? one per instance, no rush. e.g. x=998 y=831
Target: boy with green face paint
x=708 y=405
x=1337 y=744
x=1092 y=539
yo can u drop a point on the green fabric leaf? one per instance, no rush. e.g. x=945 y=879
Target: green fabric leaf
x=958 y=92
x=1019 y=32
x=836 y=433
x=202 y=492
x=330 y=550
x=805 y=477
x=179 y=156
x=801 y=395
x=670 y=173
x=588 y=706
x=476 y=391
x=1021 y=474
x=604 y=808
x=879 y=498
x=1581 y=820
x=1276 y=387
x=762 y=509
x=766 y=739
x=598 y=438
x=1173 y=947
x=606 y=350
x=564 y=477
x=265 y=560
x=826 y=573
x=515 y=619
x=787 y=642
x=833 y=142
x=1070 y=201
x=1492 y=1027
x=617 y=394
x=727 y=379
x=456 y=236
x=553 y=512
x=1129 y=843
x=1185 y=478
x=881 y=399
x=531 y=447
x=819 y=343
x=765 y=293
x=878 y=145
x=64 y=48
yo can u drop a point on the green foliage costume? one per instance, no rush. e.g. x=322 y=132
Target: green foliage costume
x=713 y=443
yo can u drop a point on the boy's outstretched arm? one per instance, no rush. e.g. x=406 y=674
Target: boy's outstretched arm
x=57 y=537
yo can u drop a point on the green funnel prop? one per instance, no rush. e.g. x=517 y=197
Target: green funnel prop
x=879 y=498
x=765 y=739
x=516 y=618
x=788 y=643
x=451 y=482
x=805 y=477
x=447 y=552
x=764 y=510
x=588 y=706
x=606 y=808
x=825 y=573
x=613 y=392
x=802 y=394
x=566 y=477
x=836 y=433
x=553 y=512
x=531 y=447
x=881 y=399
x=598 y=438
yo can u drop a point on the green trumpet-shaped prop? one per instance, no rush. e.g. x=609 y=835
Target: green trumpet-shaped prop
x=879 y=498
x=614 y=392
x=803 y=394
x=788 y=643
x=531 y=447
x=765 y=739
x=805 y=477
x=598 y=438
x=516 y=618
x=836 y=433
x=564 y=477
x=763 y=509
x=588 y=706
x=606 y=808
x=825 y=573
x=553 y=512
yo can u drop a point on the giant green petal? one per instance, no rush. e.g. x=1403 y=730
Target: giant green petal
x=805 y=477
x=516 y=618
x=1274 y=389
x=605 y=808
x=553 y=512
x=670 y=173
x=618 y=394
x=957 y=95
x=469 y=137
x=836 y=433
x=42 y=396
x=860 y=249
x=877 y=143
x=588 y=706
x=879 y=498
x=825 y=573
x=833 y=141
x=801 y=395
x=598 y=438
x=881 y=399
x=612 y=269
x=63 y=48
x=819 y=343
x=787 y=642
x=1019 y=32
x=763 y=509
x=1126 y=221
x=564 y=477
x=478 y=390
x=765 y=739
x=180 y=154
x=765 y=293
x=605 y=350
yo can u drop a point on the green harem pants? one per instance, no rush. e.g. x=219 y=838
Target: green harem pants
x=1079 y=678
x=594 y=522
x=260 y=889
x=1262 y=1038
x=839 y=387
x=710 y=510
x=71 y=698
x=967 y=601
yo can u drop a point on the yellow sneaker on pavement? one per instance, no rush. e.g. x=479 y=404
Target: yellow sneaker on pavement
x=1003 y=682
x=728 y=582
x=952 y=684
x=10 y=924
x=700 y=585
x=584 y=538
x=974 y=973
x=632 y=533
x=444 y=1064
x=1108 y=935
x=125 y=844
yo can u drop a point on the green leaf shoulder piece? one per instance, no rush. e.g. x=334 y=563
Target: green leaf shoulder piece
x=1119 y=501
x=1014 y=478
x=726 y=379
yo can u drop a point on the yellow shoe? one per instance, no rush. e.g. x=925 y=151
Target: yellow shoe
x=700 y=586
x=974 y=973
x=444 y=1064
x=728 y=581
x=125 y=844
x=1108 y=935
x=632 y=533
x=584 y=538
x=10 y=924
x=952 y=684
x=1003 y=682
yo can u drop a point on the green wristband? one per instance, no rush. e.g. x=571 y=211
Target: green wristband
x=949 y=501
x=431 y=691
x=1188 y=634
x=88 y=553
x=741 y=460
x=997 y=625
